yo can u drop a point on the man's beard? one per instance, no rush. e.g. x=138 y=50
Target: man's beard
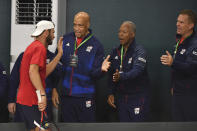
x=49 y=40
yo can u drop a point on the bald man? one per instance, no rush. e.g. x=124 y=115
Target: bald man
x=129 y=82
x=82 y=65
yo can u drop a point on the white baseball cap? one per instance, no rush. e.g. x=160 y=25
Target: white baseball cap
x=41 y=26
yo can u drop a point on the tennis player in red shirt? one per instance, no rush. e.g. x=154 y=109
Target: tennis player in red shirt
x=33 y=72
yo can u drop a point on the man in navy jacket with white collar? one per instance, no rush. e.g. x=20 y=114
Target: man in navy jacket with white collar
x=128 y=77
x=184 y=68
x=82 y=64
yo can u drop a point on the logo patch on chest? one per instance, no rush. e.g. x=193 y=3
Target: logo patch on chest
x=89 y=48
x=116 y=57
x=182 y=51
x=68 y=44
x=130 y=60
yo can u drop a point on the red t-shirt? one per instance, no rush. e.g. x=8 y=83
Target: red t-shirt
x=34 y=54
x=79 y=40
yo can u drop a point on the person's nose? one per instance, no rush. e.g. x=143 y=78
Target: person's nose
x=177 y=24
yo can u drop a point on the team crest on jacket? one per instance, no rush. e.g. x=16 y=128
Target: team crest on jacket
x=89 y=48
x=130 y=60
x=182 y=51
x=116 y=57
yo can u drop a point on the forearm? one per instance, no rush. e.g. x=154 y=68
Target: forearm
x=138 y=67
x=51 y=66
x=12 y=93
x=4 y=87
x=96 y=71
x=36 y=80
x=111 y=84
x=136 y=71
x=14 y=84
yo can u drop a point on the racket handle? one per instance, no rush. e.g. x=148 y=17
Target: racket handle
x=38 y=95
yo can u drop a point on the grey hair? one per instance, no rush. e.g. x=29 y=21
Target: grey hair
x=132 y=25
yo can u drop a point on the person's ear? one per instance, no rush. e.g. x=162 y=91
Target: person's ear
x=191 y=26
x=46 y=33
x=132 y=34
x=88 y=25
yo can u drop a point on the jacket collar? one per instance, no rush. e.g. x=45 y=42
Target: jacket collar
x=90 y=32
x=178 y=37
x=131 y=46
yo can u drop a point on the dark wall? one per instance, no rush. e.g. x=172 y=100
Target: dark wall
x=156 y=28
x=5 y=24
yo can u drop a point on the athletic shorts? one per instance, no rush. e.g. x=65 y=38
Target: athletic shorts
x=29 y=114
x=17 y=116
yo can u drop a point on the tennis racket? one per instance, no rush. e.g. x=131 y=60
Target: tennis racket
x=44 y=123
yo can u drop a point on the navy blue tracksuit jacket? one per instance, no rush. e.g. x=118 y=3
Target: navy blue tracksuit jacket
x=184 y=80
x=78 y=92
x=131 y=91
x=80 y=81
x=184 y=67
x=134 y=79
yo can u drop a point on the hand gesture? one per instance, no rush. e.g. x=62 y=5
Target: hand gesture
x=106 y=64
x=60 y=46
x=55 y=98
x=12 y=107
x=166 y=59
x=43 y=104
x=110 y=101
x=116 y=76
